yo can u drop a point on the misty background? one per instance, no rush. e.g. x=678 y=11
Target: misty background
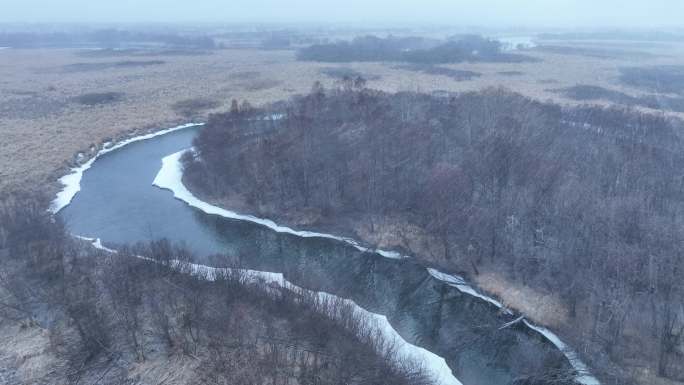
x=500 y=13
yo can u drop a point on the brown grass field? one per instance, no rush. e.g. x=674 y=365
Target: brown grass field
x=55 y=103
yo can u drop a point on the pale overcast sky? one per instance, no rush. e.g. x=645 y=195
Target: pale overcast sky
x=547 y=13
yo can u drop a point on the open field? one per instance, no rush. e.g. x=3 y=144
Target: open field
x=55 y=103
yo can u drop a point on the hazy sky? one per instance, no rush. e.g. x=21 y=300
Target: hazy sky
x=548 y=13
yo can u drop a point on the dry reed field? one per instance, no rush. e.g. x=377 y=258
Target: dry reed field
x=56 y=103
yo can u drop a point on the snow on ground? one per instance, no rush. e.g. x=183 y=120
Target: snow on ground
x=72 y=181
x=170 y=178
x=97 y=243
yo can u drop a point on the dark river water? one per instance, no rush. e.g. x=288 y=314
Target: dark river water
x=118 y=204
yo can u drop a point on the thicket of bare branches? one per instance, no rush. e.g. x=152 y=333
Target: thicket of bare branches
x=583 y=202
x=106 y=312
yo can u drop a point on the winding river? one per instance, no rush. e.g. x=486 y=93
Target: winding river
x=482 y=343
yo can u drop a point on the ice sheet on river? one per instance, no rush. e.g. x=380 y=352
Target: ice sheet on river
x=72 y=182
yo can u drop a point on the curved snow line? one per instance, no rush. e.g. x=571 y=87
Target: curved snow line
x=170 y=177
x=583 y=375
x=436 y=366
x=461 y=285
x=72 y=182
x=96 y=243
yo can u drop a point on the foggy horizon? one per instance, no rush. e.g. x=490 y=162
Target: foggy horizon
x=627 y=14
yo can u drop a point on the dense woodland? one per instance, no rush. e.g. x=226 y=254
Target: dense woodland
x=111 y=317
x=586 y=203
x=411 y=50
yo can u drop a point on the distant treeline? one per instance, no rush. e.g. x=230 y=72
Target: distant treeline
x=594 y=93
x=616 y=35
x=410 y=49
x=662 y=79
x=585 y=203
x=106 y=38
x=598 y=52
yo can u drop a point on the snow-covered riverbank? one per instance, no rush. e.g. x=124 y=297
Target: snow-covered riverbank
x=170 y=177
x=435 y=366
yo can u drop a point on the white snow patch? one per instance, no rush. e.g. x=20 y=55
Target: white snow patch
x=170 y=177
x=277 y=116
x=583 y=375
x=72 y=181
x=461 y=285
x=96 y=243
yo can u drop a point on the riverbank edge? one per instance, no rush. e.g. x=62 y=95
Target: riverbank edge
x=71 y=182
x=170 y=177
x=435 y=365
x=71 y=185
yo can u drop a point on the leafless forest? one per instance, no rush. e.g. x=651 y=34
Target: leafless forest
x=583 y=202
x=109 y=315
x=539 y=155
